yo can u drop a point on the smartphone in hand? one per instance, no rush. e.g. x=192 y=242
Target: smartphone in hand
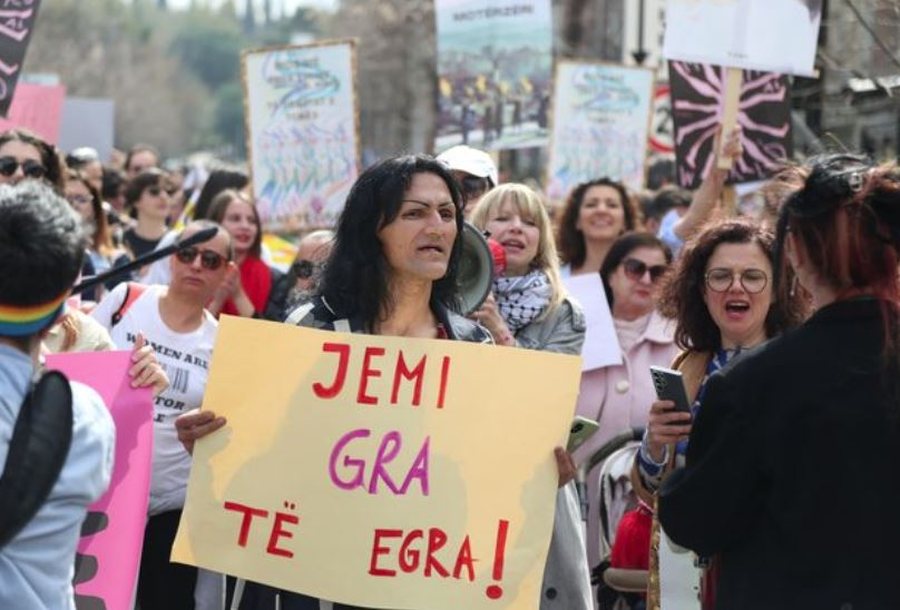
x=581 y=430
x=669 y=385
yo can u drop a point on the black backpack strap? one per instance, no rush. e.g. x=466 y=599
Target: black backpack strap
x=37 y=451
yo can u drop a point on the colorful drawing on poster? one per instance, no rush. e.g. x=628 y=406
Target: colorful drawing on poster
x=302 y=131
x=17 y=20
x=495 y=62
x=402 y=480
x=601 y=124
x=763 y=116
x=761 y=35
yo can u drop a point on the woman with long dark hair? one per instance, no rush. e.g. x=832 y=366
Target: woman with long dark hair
x=791 y=475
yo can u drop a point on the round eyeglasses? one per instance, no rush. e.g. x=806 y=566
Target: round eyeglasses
x=721 y=279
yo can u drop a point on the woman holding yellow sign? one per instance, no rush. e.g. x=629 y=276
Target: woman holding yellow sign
x=393 y=271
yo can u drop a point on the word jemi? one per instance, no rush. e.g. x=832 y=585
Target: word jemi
x=394 y=551
x=402 y=370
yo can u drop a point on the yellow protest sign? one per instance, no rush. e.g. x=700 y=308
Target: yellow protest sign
x=379 y=471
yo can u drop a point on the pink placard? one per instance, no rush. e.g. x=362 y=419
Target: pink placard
x=38 y=108
x=109 y=557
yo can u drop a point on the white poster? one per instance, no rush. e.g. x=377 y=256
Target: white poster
x=768 y=35
x=601 y=345
x=302 y=131
x=601 y=125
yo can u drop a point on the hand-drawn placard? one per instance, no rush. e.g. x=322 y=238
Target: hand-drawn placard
x=379 y=471
x=495 y=60
x=767 y=35
x=302 y=131
x=601 y=124
x=763 y=116
x=17 y=19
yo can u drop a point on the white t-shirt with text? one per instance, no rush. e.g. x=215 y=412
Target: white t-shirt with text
x=185 y=357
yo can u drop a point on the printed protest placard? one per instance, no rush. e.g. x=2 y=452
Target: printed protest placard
x=17 y=20
x=37 y=108
x=379 y=471
x=601 y=125
x=113 y=532
x=764 y=35
x=763 y=116
x=495 y=60
x=302 y=131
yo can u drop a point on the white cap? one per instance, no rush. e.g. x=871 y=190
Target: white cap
x=464 y=158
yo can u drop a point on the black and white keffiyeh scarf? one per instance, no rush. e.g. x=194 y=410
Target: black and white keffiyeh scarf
x=522 y=299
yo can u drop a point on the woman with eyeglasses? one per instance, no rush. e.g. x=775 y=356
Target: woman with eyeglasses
x=246 y=289
x=618 y=396
x=792 y=463
x=147 y=201
x=175 y=321
x=722 y=299
x=85 y=200
x=595 y=215
x=24 y=155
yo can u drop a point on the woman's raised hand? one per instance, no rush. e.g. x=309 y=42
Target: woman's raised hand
x=666 y=426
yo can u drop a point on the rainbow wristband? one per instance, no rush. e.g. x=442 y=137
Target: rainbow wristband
x=19 y=321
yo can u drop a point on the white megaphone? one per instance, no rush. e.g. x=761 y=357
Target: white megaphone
x=476 y=269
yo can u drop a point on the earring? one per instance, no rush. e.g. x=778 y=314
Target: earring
x=793 y=291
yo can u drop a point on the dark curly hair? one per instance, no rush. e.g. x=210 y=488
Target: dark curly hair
x=570 y=241
x=355 y=280
x=682 y=295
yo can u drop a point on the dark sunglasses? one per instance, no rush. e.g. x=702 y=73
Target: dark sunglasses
x=208 y=259
x=636 y=269
x=304 y=269
x=30 y=167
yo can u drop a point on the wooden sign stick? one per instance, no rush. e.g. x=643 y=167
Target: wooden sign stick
x=731 y=101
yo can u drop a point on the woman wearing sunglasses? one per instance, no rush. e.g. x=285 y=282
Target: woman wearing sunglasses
x=618 y=396
x=148 y=202
x=721 y=296
x=174 y=320
x=24 y=155
x=300 y=282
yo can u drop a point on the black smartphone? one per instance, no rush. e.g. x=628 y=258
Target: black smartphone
x=669 y=385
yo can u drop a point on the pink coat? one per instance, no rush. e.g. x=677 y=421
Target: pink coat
x=619 y=398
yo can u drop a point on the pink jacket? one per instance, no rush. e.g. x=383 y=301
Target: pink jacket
x=619 y=398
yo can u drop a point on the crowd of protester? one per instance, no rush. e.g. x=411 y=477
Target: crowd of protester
x=784 y=327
